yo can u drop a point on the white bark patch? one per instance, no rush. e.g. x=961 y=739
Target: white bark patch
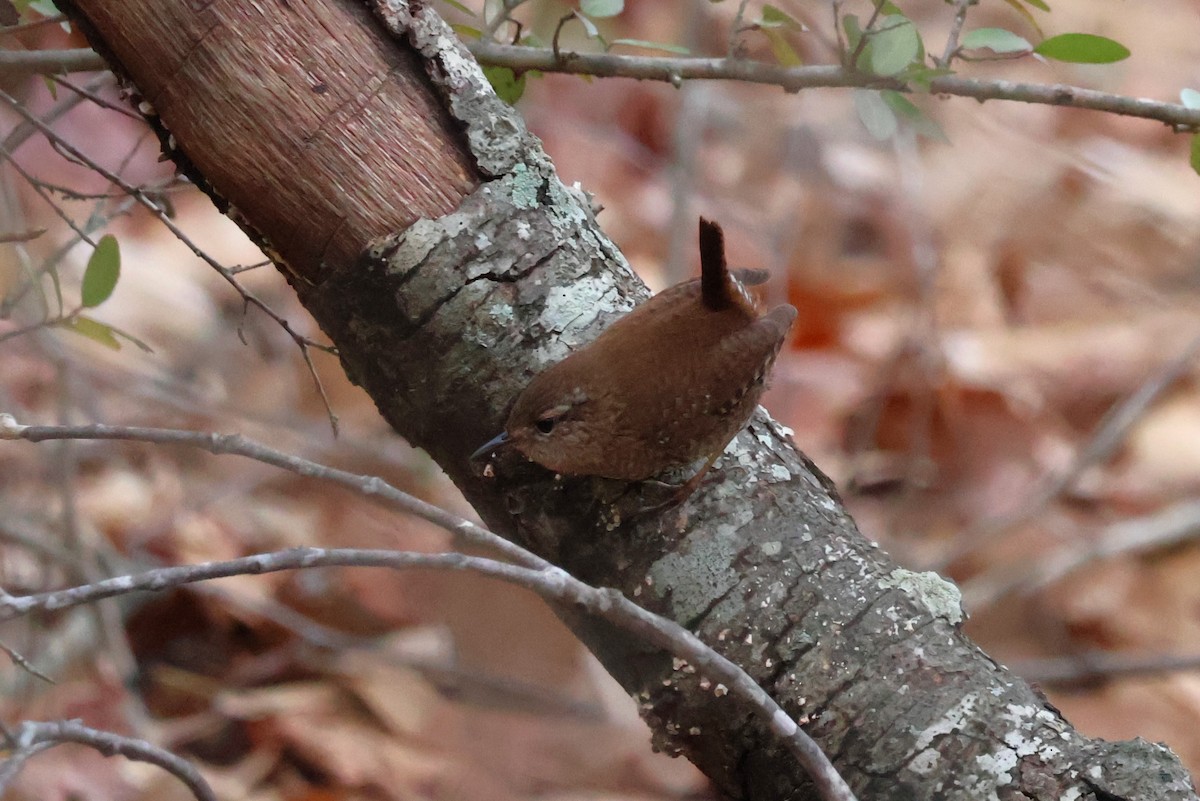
x=935 y=593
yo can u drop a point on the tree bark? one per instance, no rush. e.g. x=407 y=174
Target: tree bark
x=428 y=234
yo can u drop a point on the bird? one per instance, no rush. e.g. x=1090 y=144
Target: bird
x=671 y=382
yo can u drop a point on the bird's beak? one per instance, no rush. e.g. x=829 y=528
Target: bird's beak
x=491 y=446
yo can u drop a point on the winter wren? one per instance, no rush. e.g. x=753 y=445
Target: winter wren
x=669 y=383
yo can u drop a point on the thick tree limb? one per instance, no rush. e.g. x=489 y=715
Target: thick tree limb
x=478 y=268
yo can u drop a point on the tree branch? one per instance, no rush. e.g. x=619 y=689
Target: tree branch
x=16 y=63
x=475 y=268
x=673 y=70
x=32 y=737
x=532 y=572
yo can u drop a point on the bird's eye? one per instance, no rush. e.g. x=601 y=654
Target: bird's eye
x=549 y=418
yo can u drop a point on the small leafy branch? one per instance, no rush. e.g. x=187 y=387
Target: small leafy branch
x=103 y=269
x=99 y=281
x=883 y=57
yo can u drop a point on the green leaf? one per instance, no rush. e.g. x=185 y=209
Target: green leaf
x=997 y=40
x=894 y=45
x=508 y=85
x=1196 y=153
x=103 y=270
x=853 y=30
x=876 y=115
x=602 y=9
x=1024 y=12
x=1190 y=98
x=460 y=7
x=93 y=330
x=1038 y=4
x=785 y=54
x=912 y=114
x=43 y=8
x=667 y=48
x=774 y=17
x=1082 y=48
x=465 y=31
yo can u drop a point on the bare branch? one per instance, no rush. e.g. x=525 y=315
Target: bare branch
x=793 y=79
x=20 y=661
x=32 y=737
x=533 y=573
x=674 y=69
x=552 y=584
x=960 y=17
x=235 y=444
x=1090 y=667
x=735 y=29
x=22 y=27
x=250 y=299
x=19 y=63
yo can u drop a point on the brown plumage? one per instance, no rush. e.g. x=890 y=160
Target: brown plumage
x=669 y=383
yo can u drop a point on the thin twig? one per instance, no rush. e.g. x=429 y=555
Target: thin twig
x=960 y=17
x=735 y=29
x=562 y=21
x=139 y=194
x=45 y=195
x=28 y=235
x=1092 y=666
x=867 y=30
x=238 y=445
x=25 y=664
x=505 y=15
x=29 y=329
x=530 y=571
x=243 y=268
x=551 y=583
x=793 y=79
x=32 y=737
x=63 y=472
x=19 y=63
x=22 y=132
x=86 y=91
x=836 y=7
x=22 y=27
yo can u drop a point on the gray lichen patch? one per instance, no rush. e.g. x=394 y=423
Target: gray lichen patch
x=410 y=249
x=570 y=311
x=700 y=571
x=525 y=187
x=495 y=134
x=934 y=593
